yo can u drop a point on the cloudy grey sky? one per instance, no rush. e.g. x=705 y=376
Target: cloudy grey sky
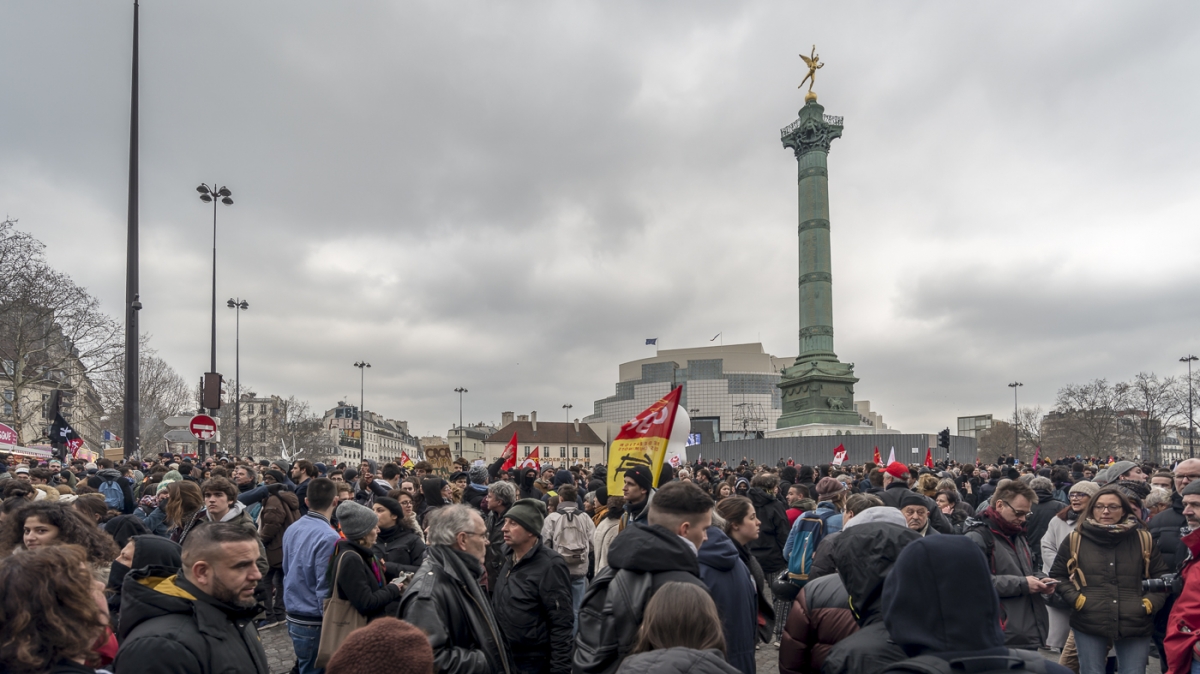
x=511 y=197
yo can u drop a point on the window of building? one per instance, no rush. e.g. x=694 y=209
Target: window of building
x=8 y=394
x=8 y=409
x=456 y=446
x=526 y=450
x=587 y=452
x=562 y=452
x=262 y=409
x=574 y=452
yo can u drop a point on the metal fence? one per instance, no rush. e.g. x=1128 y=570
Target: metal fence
x=818 y=450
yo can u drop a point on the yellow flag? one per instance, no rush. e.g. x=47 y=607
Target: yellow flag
x=643 y=441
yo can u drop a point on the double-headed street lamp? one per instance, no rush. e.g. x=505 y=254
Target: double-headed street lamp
x=213 y=195
x=362 y=366
x=1191 y=446
x=1016 y=421
x=460 y=391
x=239 y=305
x=567 y=434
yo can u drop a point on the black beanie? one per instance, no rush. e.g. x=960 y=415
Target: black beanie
x=642 y=476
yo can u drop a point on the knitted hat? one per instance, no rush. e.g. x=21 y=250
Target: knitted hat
x=22 y=469
x=529 y=513
x=1117 y=469
x=356 y=521
x=385 y=646
x=642 y=476
x=277 y=475
x=1192 y=488
x=1101 y=477
x=897 y=470
x=913 y=499
x=1089 y=488
x=829 y=486
x=477 y=475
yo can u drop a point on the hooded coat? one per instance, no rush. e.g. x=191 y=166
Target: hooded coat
x=677 y=660
x=169 y=626
x=773 y=531
x=937 y=603
x=864 y=556
x=1026 y=621
x=278 y=513
x=732 y=589
x=525 y=486
x=1039 y=518
x=401 y=548
x=820 y=618
x=148 y=550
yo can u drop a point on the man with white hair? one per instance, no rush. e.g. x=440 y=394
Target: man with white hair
x=446 y=599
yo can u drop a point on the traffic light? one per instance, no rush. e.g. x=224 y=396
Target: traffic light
x=944 y=439
x=212 y=390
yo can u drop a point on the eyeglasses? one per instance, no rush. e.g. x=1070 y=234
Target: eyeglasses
x=1077 y=496
x=1108 y=508
x=1019 y=514
x=475 y=533
x=1186 y=478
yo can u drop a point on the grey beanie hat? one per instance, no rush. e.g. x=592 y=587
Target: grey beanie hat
x=355 y=520
x=1192 y=488
x=1101 y=477
x=1089 y=488
x=477 y=475
x=1117 y=469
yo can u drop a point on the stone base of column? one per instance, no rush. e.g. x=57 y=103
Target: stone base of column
x=818 y=392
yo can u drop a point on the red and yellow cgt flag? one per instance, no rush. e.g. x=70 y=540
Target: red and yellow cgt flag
x=643 y=441
x=404 y=460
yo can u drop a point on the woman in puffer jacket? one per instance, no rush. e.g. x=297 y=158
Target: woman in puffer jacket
x=1057 y=530
x=1102 y=581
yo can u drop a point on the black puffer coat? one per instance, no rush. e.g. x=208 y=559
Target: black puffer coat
x=446 y=602
x=1039 y=519
x=1111 y=602
x=168 y=626
x=677 y=661
x=1165 y=527
x=400 y=548
x=772 y=533
x=532 y=603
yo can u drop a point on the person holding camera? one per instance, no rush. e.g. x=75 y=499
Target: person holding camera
x=1183 y=624
x=1105 y=571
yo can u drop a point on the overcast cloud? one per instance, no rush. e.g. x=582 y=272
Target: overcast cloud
x=511 y=197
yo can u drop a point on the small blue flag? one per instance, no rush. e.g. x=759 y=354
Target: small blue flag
x=653 y=341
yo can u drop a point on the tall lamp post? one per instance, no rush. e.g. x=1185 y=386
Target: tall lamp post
x=362 y=366
x=1191 y=446
x=567 y=409
x=460 y=391
x=1016 y=421
x=214 y=195
x=239 y=305
x=132 y=414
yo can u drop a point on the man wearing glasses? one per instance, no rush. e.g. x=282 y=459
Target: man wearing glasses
x=1000 y=533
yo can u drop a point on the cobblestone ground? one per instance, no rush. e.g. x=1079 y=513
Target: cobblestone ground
x=767 y=659
x=278 y=645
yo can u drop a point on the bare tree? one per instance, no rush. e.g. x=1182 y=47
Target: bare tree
x=1156 y=405
x=53 y=334
x=1085 y=416
x=162 y=393
x=1029 y=428
x=996 y=441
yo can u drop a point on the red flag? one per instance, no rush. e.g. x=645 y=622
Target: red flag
x=643 y=441
x=929 y=457
x=510 y=454
x=877 y=459
x=405 y=460
x=839 y=455
x=1036 y=456
x=531 y=461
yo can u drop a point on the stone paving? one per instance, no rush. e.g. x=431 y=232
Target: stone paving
x=278 y=645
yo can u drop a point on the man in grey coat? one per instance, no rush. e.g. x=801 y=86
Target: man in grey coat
x=1000 y=533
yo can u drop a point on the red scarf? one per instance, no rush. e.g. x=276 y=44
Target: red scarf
x=1001 y=525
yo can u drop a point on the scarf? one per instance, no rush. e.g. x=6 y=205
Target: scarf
x=1001 y=525
x=1119 y=528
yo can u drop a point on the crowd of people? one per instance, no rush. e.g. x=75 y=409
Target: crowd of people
x=179 y=565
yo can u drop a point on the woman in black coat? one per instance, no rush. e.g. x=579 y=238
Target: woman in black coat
x=359 y=573
x=398 y=545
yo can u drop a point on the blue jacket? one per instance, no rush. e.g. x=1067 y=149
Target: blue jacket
x=732 y=589
x=832 y=526
x=307 y=548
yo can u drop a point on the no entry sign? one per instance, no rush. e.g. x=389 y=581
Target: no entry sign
x=203 y=427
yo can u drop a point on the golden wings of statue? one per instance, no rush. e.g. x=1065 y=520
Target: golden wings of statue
x=814 y=63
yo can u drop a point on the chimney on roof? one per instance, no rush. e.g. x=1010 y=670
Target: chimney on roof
x=576 y=427
x=533 y=418
x=506 y=418
x=522 y=417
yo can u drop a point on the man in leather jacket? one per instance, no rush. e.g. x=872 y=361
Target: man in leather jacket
x=446 y=599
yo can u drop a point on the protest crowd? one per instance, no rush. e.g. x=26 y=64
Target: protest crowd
x=180 y=565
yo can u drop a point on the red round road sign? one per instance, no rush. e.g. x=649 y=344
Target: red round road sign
x=203 y=427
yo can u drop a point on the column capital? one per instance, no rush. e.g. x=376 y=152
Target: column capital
x=812 y=131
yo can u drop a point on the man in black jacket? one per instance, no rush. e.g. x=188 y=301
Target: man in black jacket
x=448 y=603
x=773 y=526
x=641 y=559
x=1165 y=529
x=1043 y=511
x=500 y=497
x=201 y=620
x=532 y=597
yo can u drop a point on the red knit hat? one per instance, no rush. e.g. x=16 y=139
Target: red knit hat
x=385 y=646
x=897 y=469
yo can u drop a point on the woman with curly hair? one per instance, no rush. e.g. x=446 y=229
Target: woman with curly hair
x=51 y=612
x=43 y=524
x=184 y=500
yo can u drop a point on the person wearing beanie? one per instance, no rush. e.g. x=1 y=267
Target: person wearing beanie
x=895 y=490
x=357 y=573
x=476 y=489
x=385 y=646
x=532 y=597
x=1061 y=526
x=280 y=509
x=638 y=492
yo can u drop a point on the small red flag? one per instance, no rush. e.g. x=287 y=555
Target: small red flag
x=531 y=461
x=877 y=459
x=929 y=457
x=510 y=454
x=839 y=455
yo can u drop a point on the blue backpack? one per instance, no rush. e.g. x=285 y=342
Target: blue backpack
x=810 y=530
x=114 y=498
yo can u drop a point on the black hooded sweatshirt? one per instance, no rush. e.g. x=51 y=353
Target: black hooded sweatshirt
x=148 y=550
x=938 y=602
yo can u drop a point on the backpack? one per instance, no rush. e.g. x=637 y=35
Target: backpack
x=609 y=617
x=810 y=531
x=114 y=498
x=1015 y=661
x=1076 y=575
x=572 y=542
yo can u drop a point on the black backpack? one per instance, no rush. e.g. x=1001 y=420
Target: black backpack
x=1015 y=661
x=609 y=617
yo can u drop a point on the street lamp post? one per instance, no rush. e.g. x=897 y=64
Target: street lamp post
x=568 y=407
x=238 y=305
x=362 y=366
x=1016 y=421
x=1191 y=446
x=214 y=195
x=460 y=391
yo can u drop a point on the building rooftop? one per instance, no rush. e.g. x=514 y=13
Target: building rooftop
x=548 y=433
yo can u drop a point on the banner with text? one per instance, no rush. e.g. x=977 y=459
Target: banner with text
x=643 y=441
